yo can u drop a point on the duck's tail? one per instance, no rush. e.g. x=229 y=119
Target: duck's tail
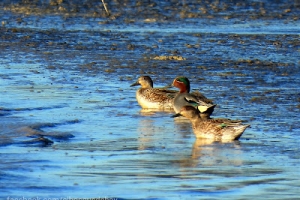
x=239 y=130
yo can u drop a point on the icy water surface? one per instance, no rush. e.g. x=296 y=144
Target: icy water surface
x=71 y=127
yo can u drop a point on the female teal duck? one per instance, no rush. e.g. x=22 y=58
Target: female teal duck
x=196 y=99
x=214 y=129
x=153 y=98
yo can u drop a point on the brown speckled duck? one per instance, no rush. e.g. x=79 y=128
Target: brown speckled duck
x=214 y=129
x=153 y=98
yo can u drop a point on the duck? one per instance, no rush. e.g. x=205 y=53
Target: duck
x=218 y=129
x=153 y=98
x=196 y=99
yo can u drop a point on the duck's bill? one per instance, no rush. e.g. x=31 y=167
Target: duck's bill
x=176 y=115
x=134 y=84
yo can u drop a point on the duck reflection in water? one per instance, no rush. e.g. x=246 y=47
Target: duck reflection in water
x=207 y=153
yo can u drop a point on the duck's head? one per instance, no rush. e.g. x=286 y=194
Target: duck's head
x=144 y=81
x=189 y=112
x=182 y=83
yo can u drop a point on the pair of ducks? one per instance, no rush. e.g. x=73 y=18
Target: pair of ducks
x=194 y=106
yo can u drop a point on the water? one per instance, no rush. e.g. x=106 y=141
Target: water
x=71 y=127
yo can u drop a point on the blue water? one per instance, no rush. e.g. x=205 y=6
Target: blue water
x=71 y=127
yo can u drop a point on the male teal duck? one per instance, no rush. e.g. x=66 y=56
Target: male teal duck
x=214 y=129
x=153 y=98
x=196 y=99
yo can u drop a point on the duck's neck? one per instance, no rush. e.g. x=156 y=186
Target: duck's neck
x=195 y=121
x=195 y=118
x=147 y=85
x=184 y=88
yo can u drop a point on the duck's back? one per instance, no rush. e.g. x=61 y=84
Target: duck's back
x=201 y=97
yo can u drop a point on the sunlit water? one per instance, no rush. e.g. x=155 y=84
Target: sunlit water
x=71 y=127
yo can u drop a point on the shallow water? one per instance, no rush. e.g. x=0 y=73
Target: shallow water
x=71 y=127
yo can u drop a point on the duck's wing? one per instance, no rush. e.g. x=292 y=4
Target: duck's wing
x=226 y=121
x=168 y=93
x=211 y=127
x=221 y=123
x=157 y=95
x=201 y=97
x=191 y=98
x=202 y=106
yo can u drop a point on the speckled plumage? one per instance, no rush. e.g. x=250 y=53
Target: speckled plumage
x=215 y=129
x=153 y=98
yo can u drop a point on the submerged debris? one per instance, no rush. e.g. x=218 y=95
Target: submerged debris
x=169 y=58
